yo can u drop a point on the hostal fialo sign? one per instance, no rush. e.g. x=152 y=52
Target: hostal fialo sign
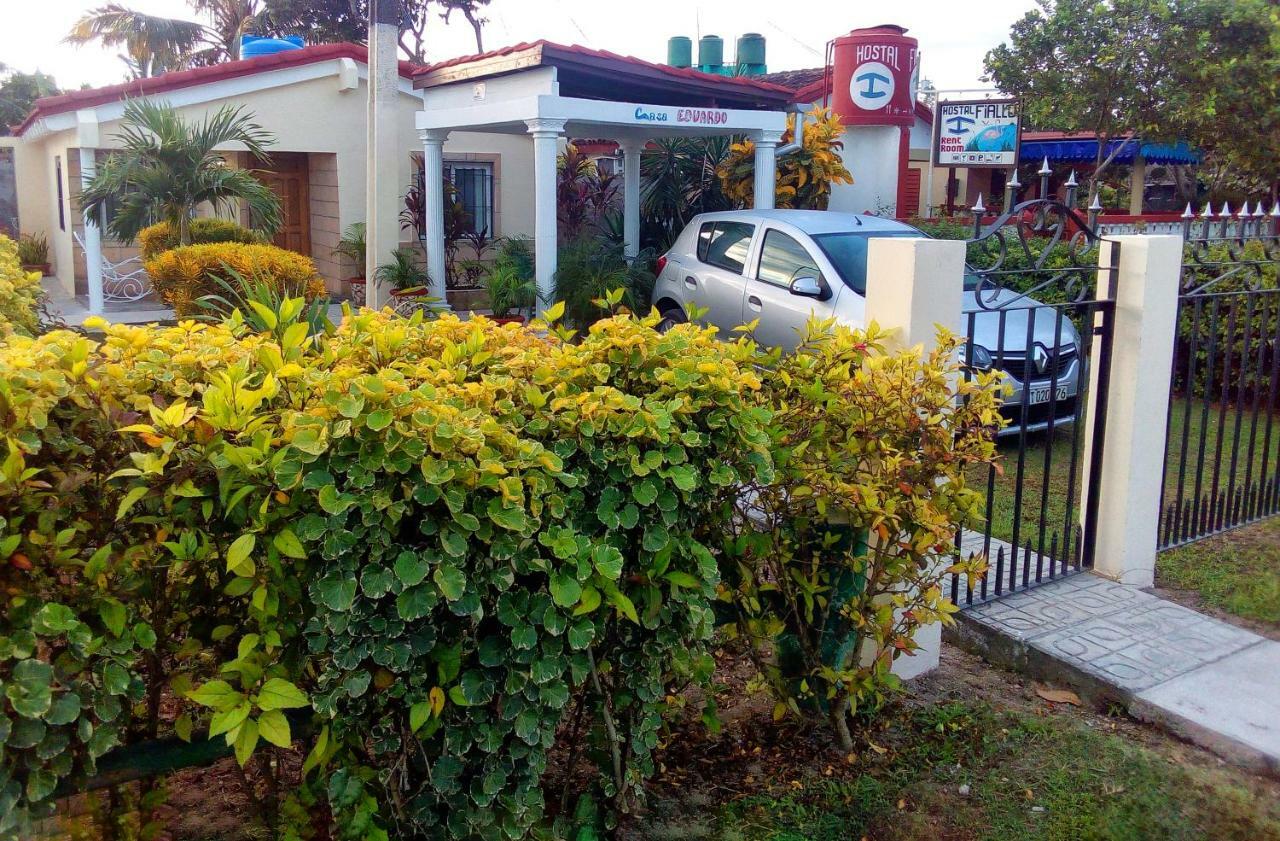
x=977 y=133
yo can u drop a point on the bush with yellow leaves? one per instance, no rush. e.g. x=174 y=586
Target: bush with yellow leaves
x=184 y=275
x=160 y=237
x=804 y=177
x=20 y=293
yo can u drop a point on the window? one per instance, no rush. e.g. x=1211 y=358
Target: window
x=57 y=175
x=848 y=253
x=473 y=186
x=782 y=260
x=725 y=244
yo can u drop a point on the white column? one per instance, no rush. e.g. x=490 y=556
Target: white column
x=546 y=135
x=92 y=237
x=913 y=286
x=1146 y=314
x=631 y=195
x=433 y=206
x=1137 y=184
x=382 y=187
x=766 y=168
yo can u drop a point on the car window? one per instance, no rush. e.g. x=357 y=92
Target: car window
x=848 y=253
x=725 y=244
x=782 y=260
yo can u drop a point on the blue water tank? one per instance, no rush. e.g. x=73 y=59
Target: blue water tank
x=256 y=45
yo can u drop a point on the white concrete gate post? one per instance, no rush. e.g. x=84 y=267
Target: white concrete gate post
x=1145 y=326
x=87 y=137
x=913 y=286
x=546 y=137
x=382 y=189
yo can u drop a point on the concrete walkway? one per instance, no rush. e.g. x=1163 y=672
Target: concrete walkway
x=1207 y=681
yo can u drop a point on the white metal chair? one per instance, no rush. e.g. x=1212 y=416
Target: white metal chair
x=123 y=281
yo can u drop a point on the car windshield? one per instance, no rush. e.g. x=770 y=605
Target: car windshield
x=848 y=253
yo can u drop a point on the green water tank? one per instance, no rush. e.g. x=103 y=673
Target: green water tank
x=710 y=53
x=680 y=51
x=750 y=54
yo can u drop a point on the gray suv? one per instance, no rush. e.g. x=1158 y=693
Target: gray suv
x=784 y=266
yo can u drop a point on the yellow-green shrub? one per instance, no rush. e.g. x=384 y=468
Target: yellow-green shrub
x=161 y=236
x=184 y=275
x=20 y=293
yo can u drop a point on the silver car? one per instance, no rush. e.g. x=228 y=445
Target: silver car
x=784 y=266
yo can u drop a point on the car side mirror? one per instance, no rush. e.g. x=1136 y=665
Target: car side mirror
x=809 y=287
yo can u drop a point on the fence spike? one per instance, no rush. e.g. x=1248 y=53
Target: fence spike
x=1226 y=209
x=978 y=207
x=1044 y=167
x=1188 y=213
x=1071 y=180
x=1208 y=211
x=1275 y=211
x=1095 y=204
x=1258 y=210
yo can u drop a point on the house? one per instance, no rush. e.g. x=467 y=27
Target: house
x=313 y=100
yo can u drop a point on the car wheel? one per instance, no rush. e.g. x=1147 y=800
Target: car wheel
x=670 y=318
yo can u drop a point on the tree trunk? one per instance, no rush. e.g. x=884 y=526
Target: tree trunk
x=477 y=25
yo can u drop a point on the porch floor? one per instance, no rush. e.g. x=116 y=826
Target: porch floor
x=1205 y=680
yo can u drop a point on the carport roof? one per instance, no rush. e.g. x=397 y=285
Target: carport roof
x=598 y=74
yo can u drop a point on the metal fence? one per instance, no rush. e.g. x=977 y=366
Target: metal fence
x=1222 y=459
x=1034 y=312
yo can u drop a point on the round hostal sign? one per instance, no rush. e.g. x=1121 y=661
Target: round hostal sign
x=871 y=86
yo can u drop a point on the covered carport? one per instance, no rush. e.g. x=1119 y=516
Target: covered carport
x=551 y=92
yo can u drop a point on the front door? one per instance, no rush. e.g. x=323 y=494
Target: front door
x=287 y=175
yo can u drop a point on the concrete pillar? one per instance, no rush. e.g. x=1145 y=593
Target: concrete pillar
x=631 y=195
x=766 y=168
x=546 y=136
x=913 y=286
x=433 y=207
x=92 y=237
x=1146 y=314
x=1137 y=183
x=382 y=187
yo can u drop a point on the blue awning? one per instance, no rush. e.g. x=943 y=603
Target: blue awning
x=1085 y=150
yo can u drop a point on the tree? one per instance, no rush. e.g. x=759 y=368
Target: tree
x=804 y=177
x=1204 y=71
x=167 y=167
x=152 y=45
x=18 y=91
x=318 y=21
x=469 y=10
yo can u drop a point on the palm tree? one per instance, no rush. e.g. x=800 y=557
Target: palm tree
x=167 y=167
x=154 y=45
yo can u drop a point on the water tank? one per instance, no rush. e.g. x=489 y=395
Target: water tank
x=750 y=54
x=255 y=45
x=680 y=51
x=874 y=76
x=710 y=53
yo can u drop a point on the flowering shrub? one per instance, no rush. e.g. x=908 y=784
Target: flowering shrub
x=20 y=293
x=459 y=544
x=184 y=275
x=161 y=237
x=804 y=177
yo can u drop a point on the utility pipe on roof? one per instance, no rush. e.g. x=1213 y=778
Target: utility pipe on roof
x=797 y=141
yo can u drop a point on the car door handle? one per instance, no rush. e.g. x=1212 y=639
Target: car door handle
x=690 y=282
x=755 y=303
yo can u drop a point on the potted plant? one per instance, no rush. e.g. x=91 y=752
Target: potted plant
x=33 y=253
x=508 y=289
x=352 y=245
x=408 y=280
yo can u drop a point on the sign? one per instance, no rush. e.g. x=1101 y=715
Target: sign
x=681 y=116
x=874 y=76
x=980 y=133
x=871 y=86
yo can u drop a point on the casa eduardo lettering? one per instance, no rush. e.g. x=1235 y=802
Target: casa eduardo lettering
x=690 y=116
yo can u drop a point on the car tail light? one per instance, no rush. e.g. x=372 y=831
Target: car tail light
x=662 y=263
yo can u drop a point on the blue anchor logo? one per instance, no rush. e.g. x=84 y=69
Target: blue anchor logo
x=959 y=124
x=870 y=79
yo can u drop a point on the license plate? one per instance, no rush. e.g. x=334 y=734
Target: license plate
x=1040 y=394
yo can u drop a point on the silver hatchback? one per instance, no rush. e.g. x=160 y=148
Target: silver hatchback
x=783 y=267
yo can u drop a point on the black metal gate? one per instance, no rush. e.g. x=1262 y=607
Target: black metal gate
x=1035 y=312
x=1223 y=450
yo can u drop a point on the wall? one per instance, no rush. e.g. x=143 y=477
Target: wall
x=871 y=155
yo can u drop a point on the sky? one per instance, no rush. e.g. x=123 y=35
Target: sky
x=953 y=36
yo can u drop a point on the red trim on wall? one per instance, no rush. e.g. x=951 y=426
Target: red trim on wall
x=904 y=157
x=177 y=80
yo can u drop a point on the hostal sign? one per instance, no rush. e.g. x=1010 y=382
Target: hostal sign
x=977 y=134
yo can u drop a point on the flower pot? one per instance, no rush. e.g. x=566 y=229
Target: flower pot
x=405 y=301
x=358 y=289
x=42 y=268
x=508 y=319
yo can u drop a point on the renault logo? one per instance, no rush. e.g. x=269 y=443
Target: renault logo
x=1041 y=358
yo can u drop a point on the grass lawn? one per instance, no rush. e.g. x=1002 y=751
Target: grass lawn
x=986 y=766
x=1217 y=430
x=1237 y=572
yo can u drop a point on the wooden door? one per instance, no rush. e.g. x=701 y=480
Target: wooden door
x=288 y=178
x=909 y=201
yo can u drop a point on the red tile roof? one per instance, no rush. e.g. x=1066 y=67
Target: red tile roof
x=75 y=100
x=675 y=72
